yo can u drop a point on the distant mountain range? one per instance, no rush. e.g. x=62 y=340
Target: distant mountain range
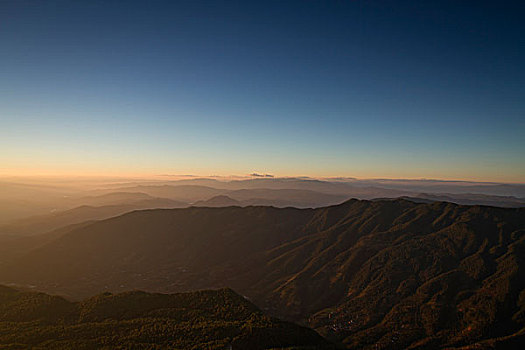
x=21 y=200
x=218 y=201
x=218 y=319
x=389 y=273
x=331 y=185
x=468 y=199
x=119 y=203
x=276 y=198
x=111 y=202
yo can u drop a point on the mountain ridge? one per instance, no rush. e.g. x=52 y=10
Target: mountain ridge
x=347 y=270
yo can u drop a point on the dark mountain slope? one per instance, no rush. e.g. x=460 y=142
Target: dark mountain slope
x=395 y=273
x=197 y=320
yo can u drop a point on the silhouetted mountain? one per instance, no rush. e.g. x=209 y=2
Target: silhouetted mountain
x=442 y=186
x=218 y=201
x=286 y=198
x=185 y=193
x=299 y=198
x=275 y=198
x=191 y=193
x=304 y=193
x=360 y=188
x=113 y=198
x=393 y=273
x=206 y=319
x=464 y=199
x=21 y=200
x=475 y=199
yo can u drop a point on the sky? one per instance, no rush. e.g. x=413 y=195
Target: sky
x=390 y=89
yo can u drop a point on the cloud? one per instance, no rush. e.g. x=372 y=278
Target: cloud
x=261 y=175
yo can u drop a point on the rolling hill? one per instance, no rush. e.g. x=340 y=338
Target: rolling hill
x=216 y=319
x=394 y=274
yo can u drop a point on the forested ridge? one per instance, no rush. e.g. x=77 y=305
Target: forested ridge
x=138 y=320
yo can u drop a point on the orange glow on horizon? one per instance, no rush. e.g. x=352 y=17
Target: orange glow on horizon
x=226 y=176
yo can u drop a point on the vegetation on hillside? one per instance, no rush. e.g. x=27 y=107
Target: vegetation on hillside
x=392 y=273
x=138 y=320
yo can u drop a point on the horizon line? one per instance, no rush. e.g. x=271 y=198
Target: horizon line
x=233 y=177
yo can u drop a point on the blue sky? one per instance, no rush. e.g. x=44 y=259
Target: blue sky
x=408 y=89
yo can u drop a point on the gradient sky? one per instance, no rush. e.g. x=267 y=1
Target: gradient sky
x=401 y=89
